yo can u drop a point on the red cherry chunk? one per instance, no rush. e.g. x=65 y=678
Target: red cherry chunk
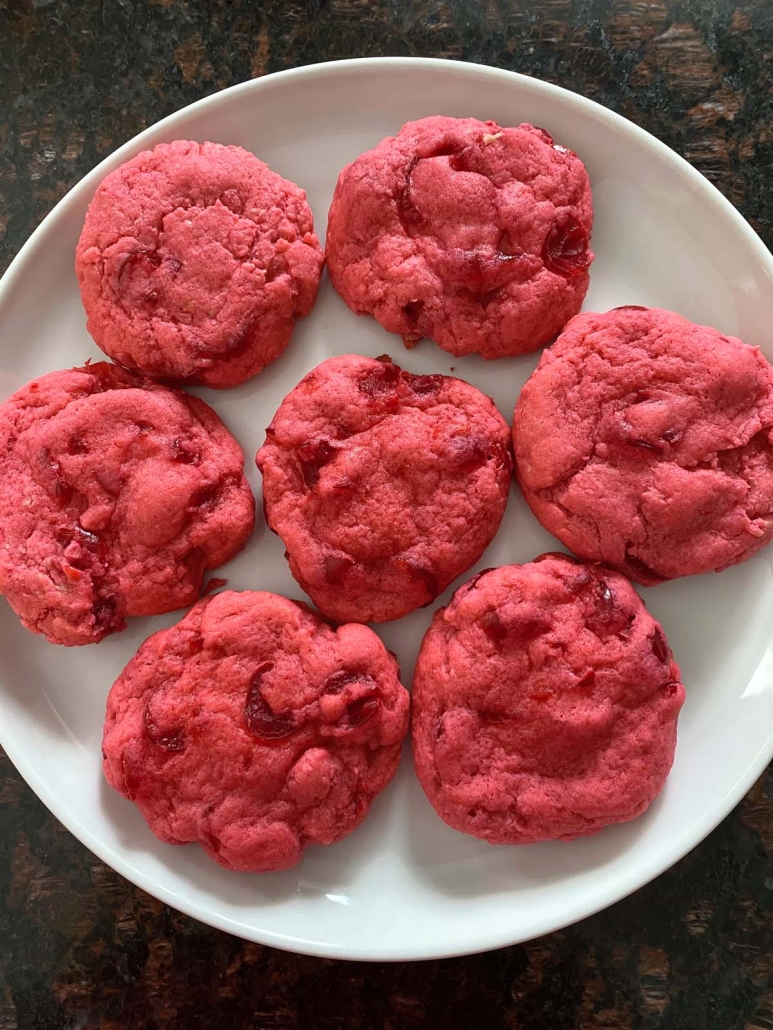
x=75 y=445
x=506 y=248
x=660 y=647
x=140 y=263
x=380 y=381
x=413 y=310
x=461 y=159
x=586 y=682
x=241 y=338
x=605 y=616
x=468 y=453
x=106 y=616
x=106 y=376
x=335 y=684
x=420 y=573
x=493 y=627
x=96 y=544
x=184 y=452
x=362 y=710
x=565 y=250
x=266 y=725
x=206 y=496
x=336 y=568
x=471 y=269
x=645 y=445
x=671 y=435
x=424 y=386
x=519 y=628
x=313 y=454
x=63 y=492
x=503 y=457
x=622 y=433
x=407 y=211
x=167 y=739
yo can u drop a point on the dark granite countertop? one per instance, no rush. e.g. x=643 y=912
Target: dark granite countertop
x=79 y=946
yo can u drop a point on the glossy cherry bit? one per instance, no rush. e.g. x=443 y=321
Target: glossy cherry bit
x=312 y=455
x=337 y=566
x=565 y=250
x=267 y=726
x=167 y=740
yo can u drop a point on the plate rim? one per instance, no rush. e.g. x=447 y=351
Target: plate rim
x=495 y=938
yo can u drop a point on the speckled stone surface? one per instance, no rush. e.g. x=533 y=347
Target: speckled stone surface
x=82 y=948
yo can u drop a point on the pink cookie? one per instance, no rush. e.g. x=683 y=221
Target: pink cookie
x=384 y=486
x=194 y=262
x=545 y=703
x=470 y=234
x=644 y=441
x=116 y=495
x=255 y=729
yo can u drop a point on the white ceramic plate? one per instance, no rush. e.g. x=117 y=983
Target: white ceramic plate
x=405 y=885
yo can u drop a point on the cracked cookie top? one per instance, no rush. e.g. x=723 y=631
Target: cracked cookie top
x=644 y=441
x=117 y=495
x=255 y=729
x=462 y=231
x=544 y=703
x=383 y=485
x=194 y=261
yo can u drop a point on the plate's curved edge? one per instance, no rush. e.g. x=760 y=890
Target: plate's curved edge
x=699 y=184
x=323 y=949
x=342 y=67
